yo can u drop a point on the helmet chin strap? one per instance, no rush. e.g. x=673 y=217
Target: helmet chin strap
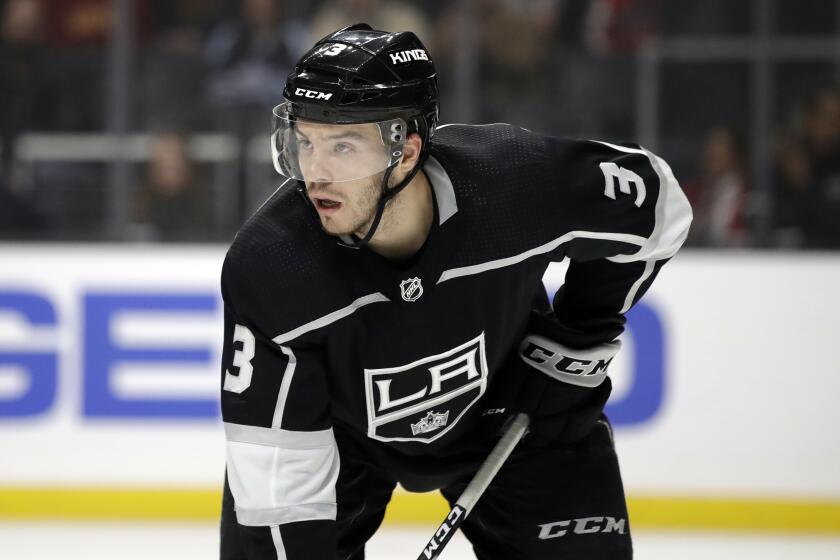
x=387 y=195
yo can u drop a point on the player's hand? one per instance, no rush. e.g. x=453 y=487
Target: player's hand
x=564 y=388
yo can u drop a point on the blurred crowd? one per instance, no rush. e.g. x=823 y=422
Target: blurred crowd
x=204 y=75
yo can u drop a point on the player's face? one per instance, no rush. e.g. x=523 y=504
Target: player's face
x=327 y=152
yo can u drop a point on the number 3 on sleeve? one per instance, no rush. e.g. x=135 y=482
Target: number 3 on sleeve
x=242 y=360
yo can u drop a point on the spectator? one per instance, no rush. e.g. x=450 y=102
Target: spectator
x=621 y=26
x=792 y=180
x=822 y=142
x=79 y=33
x=172 y=65
x=180 y=25
x=393 y=14
x=80 y=23
x=17 y=217
x=173 y=203
x=516 y=60
x=808 y=177
x=248 y=60
x=24 y=101
x=719 y=195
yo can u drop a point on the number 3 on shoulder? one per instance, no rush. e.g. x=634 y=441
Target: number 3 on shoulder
x=242 y=360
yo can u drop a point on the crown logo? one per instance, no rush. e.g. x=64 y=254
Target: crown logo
x=431 y=422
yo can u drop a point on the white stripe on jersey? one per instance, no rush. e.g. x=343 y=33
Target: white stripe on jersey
x=631 y=295
x=545 y=248
x=330 y=317
x=444 y=191
x=283 y=394
x=283 y=515
x=281 y=476
x=278 y=542
x=275 y=437
x=673 y=212
x=485 y=124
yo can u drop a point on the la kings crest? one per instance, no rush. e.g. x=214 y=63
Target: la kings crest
x=423 y=400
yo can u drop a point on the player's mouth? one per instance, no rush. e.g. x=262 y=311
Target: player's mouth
x=326 y=206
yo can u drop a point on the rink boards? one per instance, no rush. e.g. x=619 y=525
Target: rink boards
x=724 y=402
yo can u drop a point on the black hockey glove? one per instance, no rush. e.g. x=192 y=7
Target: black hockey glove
x=565 y=383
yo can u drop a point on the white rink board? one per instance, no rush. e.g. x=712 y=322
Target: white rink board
x=752 y=379
x=750 y=375
x=62 y=446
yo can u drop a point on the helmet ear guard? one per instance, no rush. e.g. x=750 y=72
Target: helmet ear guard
x=394 y=133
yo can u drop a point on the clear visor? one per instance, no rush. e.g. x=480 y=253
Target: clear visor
x=317 y=152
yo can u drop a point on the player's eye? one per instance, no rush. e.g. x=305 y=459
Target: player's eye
x=343 y=148
x=304 y=144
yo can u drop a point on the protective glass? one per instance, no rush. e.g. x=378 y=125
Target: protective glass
x=332 y=153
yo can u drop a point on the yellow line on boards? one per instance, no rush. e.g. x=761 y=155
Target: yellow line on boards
x=646 y=512
x=109 y=503
x=741 y=514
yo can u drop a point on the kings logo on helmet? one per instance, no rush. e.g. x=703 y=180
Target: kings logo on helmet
x=402 y=57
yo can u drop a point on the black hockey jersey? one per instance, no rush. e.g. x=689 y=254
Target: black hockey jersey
x=409 y=355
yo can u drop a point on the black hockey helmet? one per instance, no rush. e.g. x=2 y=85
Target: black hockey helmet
x=359 y=75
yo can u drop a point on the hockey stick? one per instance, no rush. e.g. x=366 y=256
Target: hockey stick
x=465 y=502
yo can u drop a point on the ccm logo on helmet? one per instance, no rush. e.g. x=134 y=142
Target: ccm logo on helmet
x=312 y=94
x=408 y=56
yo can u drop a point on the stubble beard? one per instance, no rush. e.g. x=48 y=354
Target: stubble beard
x=362 y=210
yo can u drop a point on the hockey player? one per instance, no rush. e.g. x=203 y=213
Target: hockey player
x=385 y=315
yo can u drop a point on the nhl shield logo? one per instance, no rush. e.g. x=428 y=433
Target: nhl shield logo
x=411 y=289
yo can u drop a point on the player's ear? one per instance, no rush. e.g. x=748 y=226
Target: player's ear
x=411 y=152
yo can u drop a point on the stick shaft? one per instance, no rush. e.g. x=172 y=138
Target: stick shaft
x=501 y=451
x=479 y=483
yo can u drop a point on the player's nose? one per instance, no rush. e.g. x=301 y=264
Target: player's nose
x=317 y=172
